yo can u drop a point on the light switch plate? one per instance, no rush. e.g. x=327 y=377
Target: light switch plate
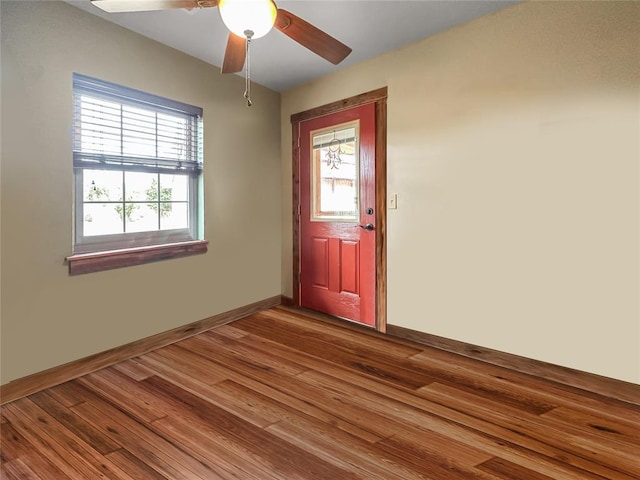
x=393 y=201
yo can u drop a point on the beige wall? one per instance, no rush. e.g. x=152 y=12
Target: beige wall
x=49 y=318
x=513 y=146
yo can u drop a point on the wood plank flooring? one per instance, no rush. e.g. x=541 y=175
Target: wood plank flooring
x=283 y=395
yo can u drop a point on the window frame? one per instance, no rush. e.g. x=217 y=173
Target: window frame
x=100 y=243
x=137 y=247
x=316 y=212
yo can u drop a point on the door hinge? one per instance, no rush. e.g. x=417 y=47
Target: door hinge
x=299 y=209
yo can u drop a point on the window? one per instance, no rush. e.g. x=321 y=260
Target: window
x=334 y=174
x=137 y=160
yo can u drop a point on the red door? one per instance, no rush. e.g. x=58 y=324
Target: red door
x=337 y=217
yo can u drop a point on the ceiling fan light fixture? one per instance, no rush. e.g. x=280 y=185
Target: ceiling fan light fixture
x=242 y=16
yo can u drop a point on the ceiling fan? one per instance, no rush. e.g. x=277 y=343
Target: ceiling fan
x=246 y=20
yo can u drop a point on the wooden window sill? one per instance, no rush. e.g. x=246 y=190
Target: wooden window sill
x=96 y=262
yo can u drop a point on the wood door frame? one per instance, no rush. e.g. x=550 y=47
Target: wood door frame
x=379 y=98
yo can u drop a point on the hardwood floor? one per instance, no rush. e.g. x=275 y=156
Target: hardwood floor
x=280 y=395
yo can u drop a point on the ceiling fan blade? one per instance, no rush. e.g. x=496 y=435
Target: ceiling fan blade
x=235 y=54
x=121 y=6
x=311 y=37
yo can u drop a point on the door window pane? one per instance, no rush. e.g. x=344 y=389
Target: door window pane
x=334 y=174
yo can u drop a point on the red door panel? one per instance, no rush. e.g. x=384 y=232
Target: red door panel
x=319 y=267
x=337 y=197
x=350 y=266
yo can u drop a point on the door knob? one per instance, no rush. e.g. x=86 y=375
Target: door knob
x=368 y=226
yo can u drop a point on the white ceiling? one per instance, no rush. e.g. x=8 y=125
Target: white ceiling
x=370 y=28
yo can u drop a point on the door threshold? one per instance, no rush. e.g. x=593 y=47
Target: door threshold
x=330 y=318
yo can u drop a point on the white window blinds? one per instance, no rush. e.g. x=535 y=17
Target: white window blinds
x=118 y=128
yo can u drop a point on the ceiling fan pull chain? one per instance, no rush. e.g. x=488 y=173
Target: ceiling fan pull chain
x=247 y=91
